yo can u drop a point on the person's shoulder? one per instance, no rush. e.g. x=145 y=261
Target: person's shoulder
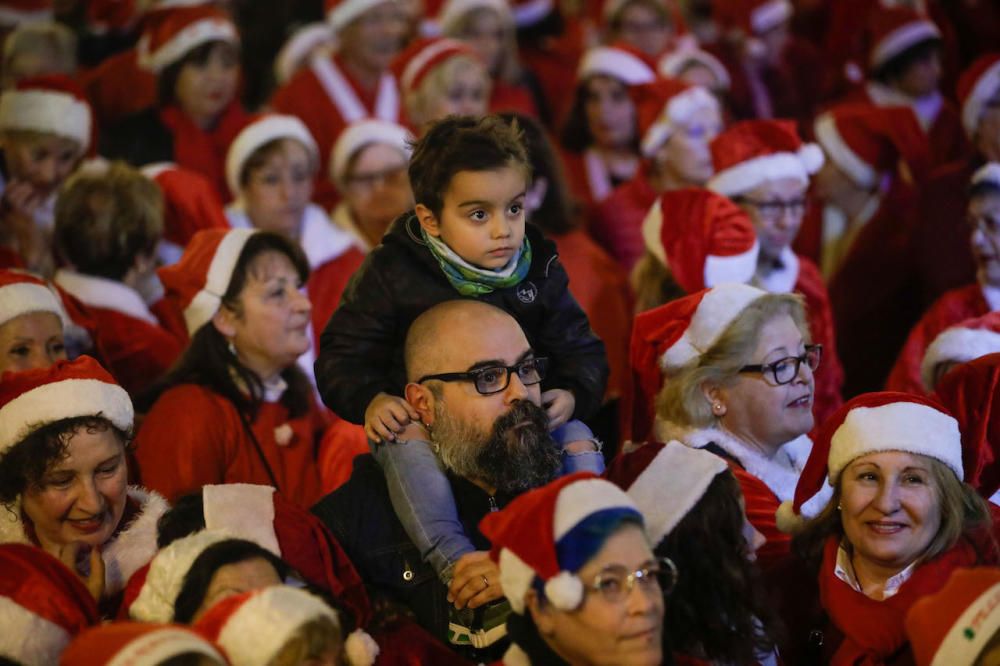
x=193 y=400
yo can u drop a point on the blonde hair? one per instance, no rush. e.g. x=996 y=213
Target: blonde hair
x=682 y=400
x=309 y=641
x=653 y=283
x=421 y=101
x=510 y=64
x=44 y=38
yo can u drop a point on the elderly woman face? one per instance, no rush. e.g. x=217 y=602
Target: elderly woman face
x=32 y=340
x=686 y=155
x=890 y=509
x=605 y=630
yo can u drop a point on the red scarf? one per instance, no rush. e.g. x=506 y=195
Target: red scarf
x=873 y=630
x=204 y=151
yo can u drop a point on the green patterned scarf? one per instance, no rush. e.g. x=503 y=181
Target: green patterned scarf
x=469 y=280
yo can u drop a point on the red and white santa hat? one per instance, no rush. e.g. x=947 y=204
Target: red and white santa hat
x=190 y=203
x=265 y=129
x=531 y=533
x=664 y=105
x=42 y=605
x=665 y=481
x=68 y=389
x=452 y=11
x=16 y=12
x=871 y=423
x=618 y=61
x=303 y=41
x=182 y=30
x=866 y=141
x=702 y=237
x=529 y=12
x=50 y=104
x=254 y=626
x=364 y=133
x=339 y=13
x=137 y=643
x=22 y=293
x=674 y=63
x=752 y=17
x=954 y=625
x=753 y=152
x=893 y=30
x=200 y=279
x=988 y=174
x=425 y=55
x=976 y=86
x=961 y=343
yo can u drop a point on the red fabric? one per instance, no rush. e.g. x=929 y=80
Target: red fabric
x=11 y=259
x=136 y=352
x=750 y=139
x=341 y=444
x=326 y=284
x=118 y=87
x=952 y=308
x=510 y=97
x=619 y=220
x=554 y=63
x=651 y=100
x=405 y=643
x=190 y=204
x=14 y=384
x=830 y=376
x=192 y=437
x=205 y=151
x=761 y=506
x=101 y=645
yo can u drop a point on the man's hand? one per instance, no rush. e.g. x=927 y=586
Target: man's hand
x=387 y=416
x=95 y=580
x=476 y=581
x=559 y=405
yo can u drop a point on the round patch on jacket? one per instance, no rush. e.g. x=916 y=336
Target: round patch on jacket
x=527 y=292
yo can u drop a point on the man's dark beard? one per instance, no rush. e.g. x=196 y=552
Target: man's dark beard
x=516 y=455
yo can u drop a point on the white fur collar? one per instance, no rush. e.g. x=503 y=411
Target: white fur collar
x=926 y=108
x=344 y=221
x=992 y=296
x=132 y=549
x=782 y=280
x=780 y=473
x=98 y=292
x=320 y=239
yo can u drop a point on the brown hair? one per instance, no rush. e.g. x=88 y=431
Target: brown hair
x=653 y=283
x=309 y=641
x=264 y=153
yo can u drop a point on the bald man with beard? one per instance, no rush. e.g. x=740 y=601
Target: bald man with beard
x=493 y=444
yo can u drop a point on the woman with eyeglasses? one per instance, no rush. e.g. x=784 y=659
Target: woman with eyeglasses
x=765 y=168
x=582 y=581
x=731 y=371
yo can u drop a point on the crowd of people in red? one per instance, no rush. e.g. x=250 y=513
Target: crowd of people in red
x=500 y=331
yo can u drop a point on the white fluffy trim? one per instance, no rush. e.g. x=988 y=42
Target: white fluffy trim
x=515 y=579
x=770 y=15
x=346 y=11
x=269 y=128
x=988 y=173
x=957 y=345
x=984 y=89
x=361 y=134
x=531 y=12
x=747 y=175
x=790 y=522
x=852 y=164
x=162 y=644
x=21 y=298
x=901 y=39
x=361 y=648
x=454 y=10
x=565 y=591
x=28 y=638
x=579 y=500
x=245 y=509
x=616 y=63
x=192 y=36
x=305 y=40
x=48 y=112
x=679 y=110
x=674 y=63
x=206 y=302
x=971 y=631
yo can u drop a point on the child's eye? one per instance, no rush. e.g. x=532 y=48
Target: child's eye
x=478 y=215
x=20 y=350
x=515 y=209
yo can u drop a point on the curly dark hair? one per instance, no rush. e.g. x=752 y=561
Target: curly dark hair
x=728 y=620
x=24 y=465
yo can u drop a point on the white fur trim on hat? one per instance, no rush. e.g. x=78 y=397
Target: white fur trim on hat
x=63 y=400
x=564 y=591
x=361 y=134
x=862 y=173
x=206 y=302
x=901 y=39
x=899 y=426
x=739 y=268
x=532 y=11
x=162 y=644
x=348 y=10
x=244 y=509
x=747 y=175
x=10 y=16
x=258 y=629
x=360 y=648
x=515 y=579
x=770 y=15
x=789 y=522
x=298 y=46
x=679 y=110
x=673 y=483
x=616 y=63
x=579 y=500
x=28 y=638
x=957 y=345
x=717 y=310
x=189 y=38
x=22 y=298
x=988 y=173
x=674 y=63
x=984 y=90
x=257 y=134
x=453 y=11
x=971 y=631
x=46 y=111
x=416 y=67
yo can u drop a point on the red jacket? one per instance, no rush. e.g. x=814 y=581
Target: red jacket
x=620 y=216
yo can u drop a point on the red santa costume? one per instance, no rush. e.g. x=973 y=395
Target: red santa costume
x=663 y=107
x=311 y=39
x=193 y=436
x=671 y=337
x=327 y=98
x=745 y=156
x=134 y=643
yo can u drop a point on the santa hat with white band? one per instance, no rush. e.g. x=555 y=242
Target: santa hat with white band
x=423 y=56
x=304 y=41
x=181 y=31
x=676 y=62
x=531 y=533
x=896 y=29
x=752 y=17
x=339 y=13
x=753 y=152
x=618 y=61
x=977 y=85
x=364 y=133
x=265 y=129
x=960 y=344
x=871 y=423
x=49 y=104
x=454 y=10
x=22 y=293
x=664 y=105
x=137 y=643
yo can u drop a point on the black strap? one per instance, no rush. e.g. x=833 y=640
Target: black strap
x=712 y=447
x=259 y=449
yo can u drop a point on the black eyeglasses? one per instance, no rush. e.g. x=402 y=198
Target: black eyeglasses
x=496 y=378
x=615 y=582
x=773 y=209
x=786 y=369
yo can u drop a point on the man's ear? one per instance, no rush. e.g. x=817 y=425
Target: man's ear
x=540 y=612
x=224 y=321
x=421 y=399
x=428 y=220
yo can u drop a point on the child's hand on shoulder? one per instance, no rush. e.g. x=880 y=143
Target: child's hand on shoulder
x=559 y=405
x=387 y=416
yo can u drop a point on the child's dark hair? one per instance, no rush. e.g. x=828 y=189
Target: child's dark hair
x=166 y=82
x=463 y=143
x=897 y=66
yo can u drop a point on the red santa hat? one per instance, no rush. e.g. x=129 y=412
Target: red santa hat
x=753 y=152
x=893 y=30
x=339 y=13
x=190 y=204
x=265 y=129
x=703 y=238
x=619 y=61
x=181 y=31
x=866 y=141
x=200 y=279
x=452 y=11
x=50 y=104
x=68 y=389
x=664 y=105
x=752 y=17
x=254 y=626
x=16 y=12
x=665 y=481
x=954 y=625
x=135 y=643
x=531 y=533
x=976 y=86
x=674 y=63
x=42 y=605
x=960 y=344
x=423 y=56
x=529 y=12
x=364 y=133
x=304 y=41
x=871 y=423
x=22 y=293
x=988 y=174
